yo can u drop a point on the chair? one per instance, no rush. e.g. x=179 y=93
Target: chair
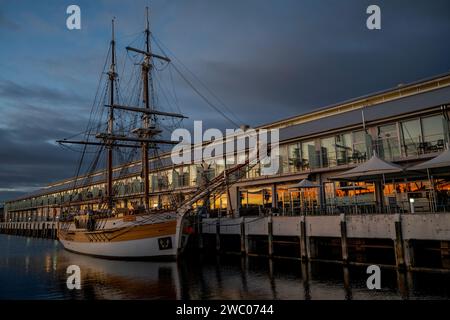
x=440 y=144
x=423 y=147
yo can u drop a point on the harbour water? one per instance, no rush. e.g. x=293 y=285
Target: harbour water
x=32 y=268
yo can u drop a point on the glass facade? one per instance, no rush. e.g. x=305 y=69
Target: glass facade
x=433 y=133
x=254 y=200
x=360 y=146
x=309 y=155
x=344 y=148
x=328 y=152
x=411 y=136
x=291 y=201
x=295 y=158
x=387 y=145
x=284 y=160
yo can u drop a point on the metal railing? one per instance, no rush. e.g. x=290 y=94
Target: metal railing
x=348 y=209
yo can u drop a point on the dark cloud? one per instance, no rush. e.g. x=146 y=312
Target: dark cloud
x=14 y=91
x=33 y=117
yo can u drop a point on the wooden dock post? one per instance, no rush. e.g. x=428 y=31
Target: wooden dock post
x=402 y=284
x=243 y=244
x=344 y=239
x=270 y=235
x=305 y=278
x=347 y=286
x=398 y=243
x=303 y=249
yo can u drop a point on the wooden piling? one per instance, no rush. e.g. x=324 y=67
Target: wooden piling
x=344 y=239
x=243 y=242
x=398 y=243
x=303 y=249
x=347 y=285
x=270 y=235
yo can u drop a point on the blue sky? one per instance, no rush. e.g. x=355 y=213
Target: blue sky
x=265 y=59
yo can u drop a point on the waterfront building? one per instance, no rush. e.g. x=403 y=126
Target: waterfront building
x=405 y=126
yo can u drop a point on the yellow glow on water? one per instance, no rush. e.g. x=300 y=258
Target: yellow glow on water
x=55 y=261
x=48 y=263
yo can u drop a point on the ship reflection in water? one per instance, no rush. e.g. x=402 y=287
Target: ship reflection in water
x=36 y=269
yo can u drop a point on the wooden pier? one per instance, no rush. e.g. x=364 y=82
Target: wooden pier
x=37 y=229
x=413 y=242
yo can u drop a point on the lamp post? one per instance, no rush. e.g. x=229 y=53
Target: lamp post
x=411 y=204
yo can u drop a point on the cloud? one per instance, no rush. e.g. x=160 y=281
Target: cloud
x=14 y=91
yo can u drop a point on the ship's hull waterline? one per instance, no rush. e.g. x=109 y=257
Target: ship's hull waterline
x=131 y=237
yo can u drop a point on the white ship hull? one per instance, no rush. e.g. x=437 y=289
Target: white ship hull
x=132 y=249
x=129 y=237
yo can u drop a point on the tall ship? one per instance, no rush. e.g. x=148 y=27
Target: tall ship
x=138 y=230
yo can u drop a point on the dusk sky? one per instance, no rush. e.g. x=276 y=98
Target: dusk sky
x=266 y=60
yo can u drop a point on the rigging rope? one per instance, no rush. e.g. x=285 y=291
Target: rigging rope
x=161 y=45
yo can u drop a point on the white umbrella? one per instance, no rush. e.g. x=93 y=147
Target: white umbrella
x=441 y=161
x=305 y=183
x=372 y=168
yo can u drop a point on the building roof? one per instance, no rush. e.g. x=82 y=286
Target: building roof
x=379 y=111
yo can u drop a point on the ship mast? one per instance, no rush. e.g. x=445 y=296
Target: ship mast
x=146 y=136
x=109 y=145
x=146 y=69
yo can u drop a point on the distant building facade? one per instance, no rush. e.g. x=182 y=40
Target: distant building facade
x=405 y=125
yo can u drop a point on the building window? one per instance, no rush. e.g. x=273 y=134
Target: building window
x=360 y=146
x=433 y=133
x=328 y=152
x=254 y=172
x=193 y=175
x=219 y=165
x=411 y=137
x=296 y=201
x=309 y=155
x=387 y=144
x=295 y=159
x=253 y=200
x=219 y=202
x=180 y=177
x=344 y=148
x=284 y=161
x=345 y=197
